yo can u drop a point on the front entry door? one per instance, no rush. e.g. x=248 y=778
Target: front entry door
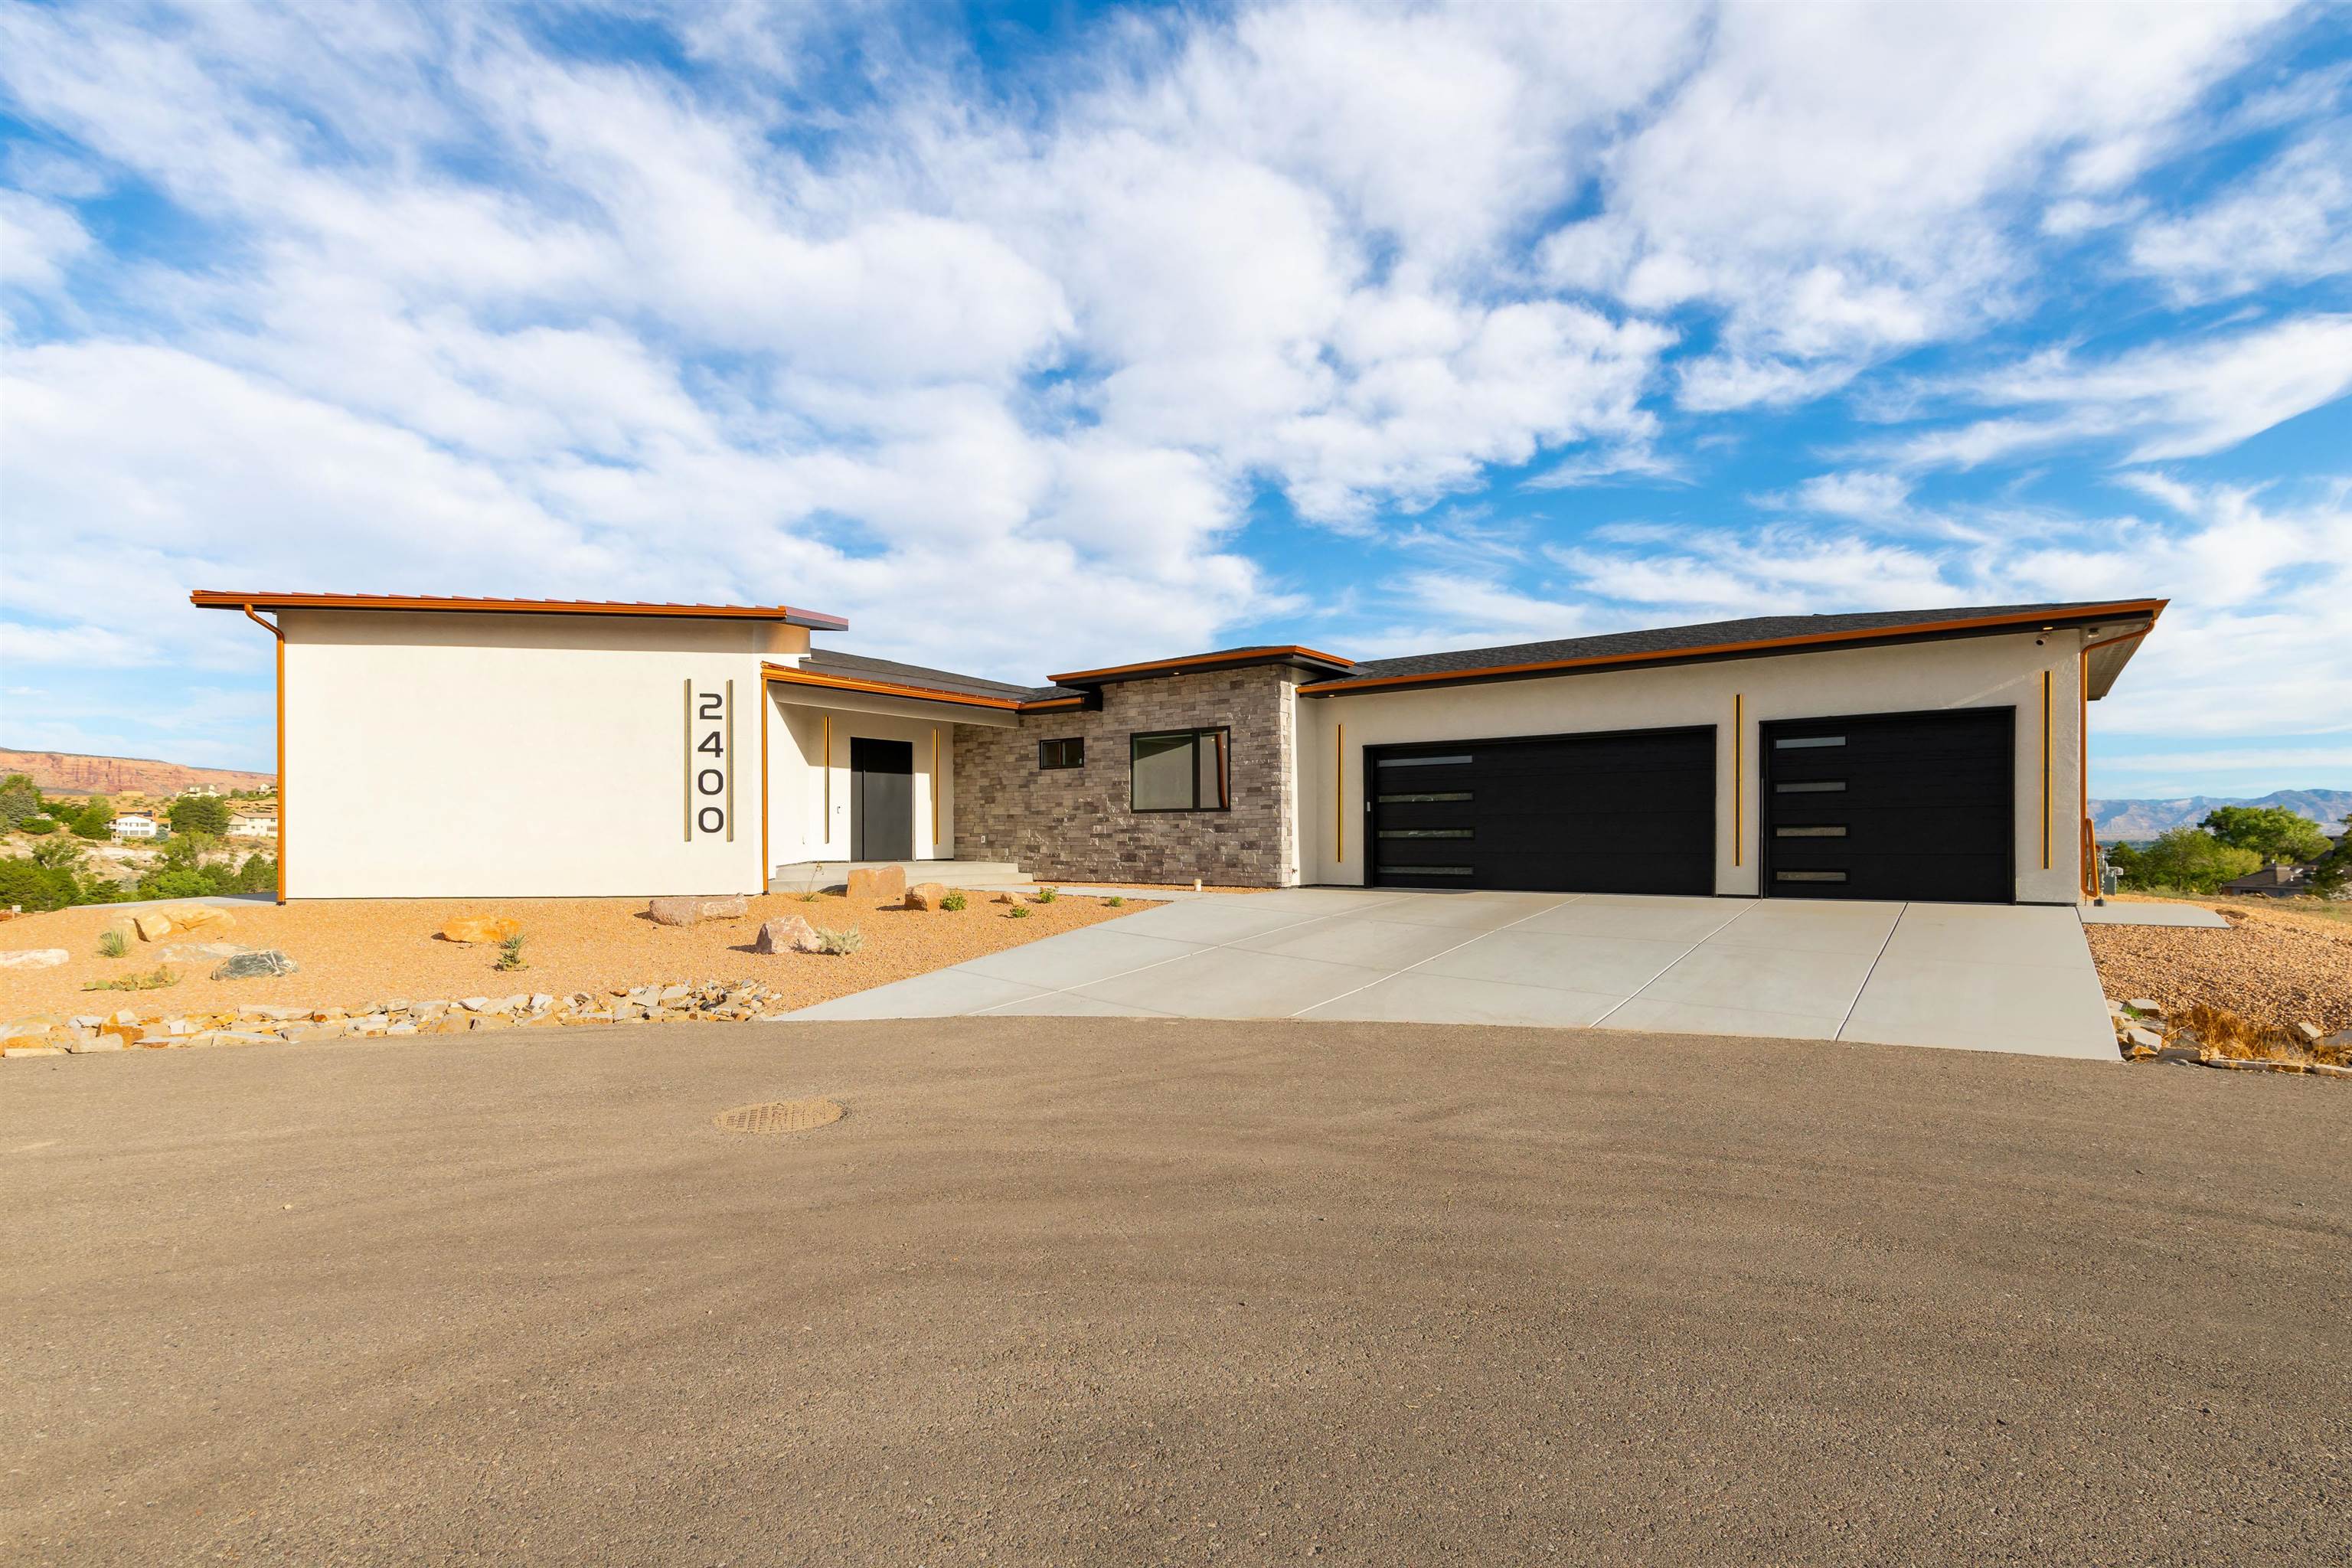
x=881 y=800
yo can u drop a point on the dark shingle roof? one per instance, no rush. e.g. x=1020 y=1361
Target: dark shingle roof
x=826 y=660
x=1666 y=641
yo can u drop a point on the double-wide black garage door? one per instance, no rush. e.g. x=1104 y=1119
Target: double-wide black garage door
x=1891 y=806
x=1623 y=813
x=1884 y=806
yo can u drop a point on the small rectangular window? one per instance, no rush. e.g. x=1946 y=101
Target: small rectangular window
x=1837 y=832
x=1425 y=872
x=1800 y=743
x=1809 y=876
x=1424 y=833
x=1181 y=770
x=1810 y=786
x=1419 y=762
x=1068 y=754
x=1432 y=794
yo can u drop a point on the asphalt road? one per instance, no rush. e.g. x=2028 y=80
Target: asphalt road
x=1103 y=1291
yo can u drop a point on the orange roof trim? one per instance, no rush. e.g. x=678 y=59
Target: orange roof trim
x=1229 y=656
x=215 y=599
x=786 y=675
x=2148 y=608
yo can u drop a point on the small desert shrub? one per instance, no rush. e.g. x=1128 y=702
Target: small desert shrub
x=1048 y=895
x=1114 y=901
x=811 y=896
x=2227 y=1035
x=154 y=980
x=510 y=954
x=111 y=944
x=954 y=902
x=1018 y=913
x=840 y=943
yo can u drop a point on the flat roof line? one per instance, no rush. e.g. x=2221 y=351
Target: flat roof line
x=221 y=599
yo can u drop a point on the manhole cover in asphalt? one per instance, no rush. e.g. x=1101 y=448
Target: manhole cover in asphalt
x=780 y=1116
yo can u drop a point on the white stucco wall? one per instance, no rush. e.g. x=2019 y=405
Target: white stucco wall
x=1968 y=672
x=440 y=755
x=803 y=825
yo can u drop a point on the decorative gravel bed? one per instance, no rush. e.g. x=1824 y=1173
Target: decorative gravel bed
x=2271 y=966
x=356 y=953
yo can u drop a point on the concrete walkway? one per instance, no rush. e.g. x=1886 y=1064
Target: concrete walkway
x=1976 y=977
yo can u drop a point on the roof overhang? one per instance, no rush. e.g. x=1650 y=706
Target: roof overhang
x=215 y=599
x=792 y=674
x=1298 y=658
x=2134 y=616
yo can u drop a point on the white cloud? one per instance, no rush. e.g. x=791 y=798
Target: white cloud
x=39 y=240
x=2292 y=221
x=2171 y=399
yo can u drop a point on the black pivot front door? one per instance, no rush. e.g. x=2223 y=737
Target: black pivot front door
x=881 y=800
x=1631 y=812
x=1891 y=806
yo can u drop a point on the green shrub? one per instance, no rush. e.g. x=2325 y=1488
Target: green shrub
x=29 y=886
x=185 y=883
x=37 y=825
x=954 y=902
x=155 y=980
x=840 y=943
x=510 y=954
x=2189 y=858
x=110 y=943
x=18 y=799
x=1114 y=901
x=1018 y=913
x=1048 y=895
x=257 y=875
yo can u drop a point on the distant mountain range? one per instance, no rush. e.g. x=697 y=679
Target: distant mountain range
x=2140 y=819
x=72 y=772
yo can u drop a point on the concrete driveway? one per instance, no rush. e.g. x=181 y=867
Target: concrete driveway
x=1971 y=977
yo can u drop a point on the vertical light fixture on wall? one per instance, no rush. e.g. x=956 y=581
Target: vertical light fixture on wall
x=1338 y=793
x=827 y=770
x=2045 y=770
x=1738 y=776
x=935 y=786
x=686 y=745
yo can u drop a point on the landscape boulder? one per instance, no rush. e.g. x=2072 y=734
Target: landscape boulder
x=255 y=965
x=480 y=928
x=686 y=909
x=879 y=883
x=793 y=935
x=152 y=926
x=926 y=895
x=34 y=958
x=199 y=951
x=1010 y=896
x=193 y=917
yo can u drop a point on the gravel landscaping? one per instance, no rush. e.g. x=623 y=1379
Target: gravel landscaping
x=356 y=953
x=2274 y=966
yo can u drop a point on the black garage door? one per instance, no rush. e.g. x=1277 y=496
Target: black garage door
x=1891 y=806
x=1625 y=812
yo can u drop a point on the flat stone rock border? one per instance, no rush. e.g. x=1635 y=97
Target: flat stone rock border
x=254 y=1023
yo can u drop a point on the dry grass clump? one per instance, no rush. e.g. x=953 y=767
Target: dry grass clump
x=2224 y=1034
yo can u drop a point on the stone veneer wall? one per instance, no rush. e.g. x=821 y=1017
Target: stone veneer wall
x=1076 y=824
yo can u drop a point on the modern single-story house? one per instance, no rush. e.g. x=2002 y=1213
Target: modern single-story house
x=445 y=747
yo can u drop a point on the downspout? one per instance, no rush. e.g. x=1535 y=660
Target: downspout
x=2086 y=876
x=279 y=634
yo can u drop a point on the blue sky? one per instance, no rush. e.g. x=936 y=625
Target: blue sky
x=1030 y=339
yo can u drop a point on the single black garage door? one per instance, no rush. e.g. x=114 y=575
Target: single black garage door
x=1631 y=812
x=1891 y=806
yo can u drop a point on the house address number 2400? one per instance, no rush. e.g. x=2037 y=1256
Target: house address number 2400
x=710 y=761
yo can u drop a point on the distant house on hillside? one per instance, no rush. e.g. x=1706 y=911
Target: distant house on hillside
x=254 y=826
x=134 y=824
x=2274 y=880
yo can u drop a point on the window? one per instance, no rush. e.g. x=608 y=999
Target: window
x=1181 y=770
x=1069 y=754
x=1802 y=742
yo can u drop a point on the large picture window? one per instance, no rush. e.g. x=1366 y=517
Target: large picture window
x=1182 y=770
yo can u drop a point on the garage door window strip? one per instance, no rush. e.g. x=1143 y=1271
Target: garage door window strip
x=1432 y=794
x=1804 y=742
x=1420 y=762
x=1810 y=786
